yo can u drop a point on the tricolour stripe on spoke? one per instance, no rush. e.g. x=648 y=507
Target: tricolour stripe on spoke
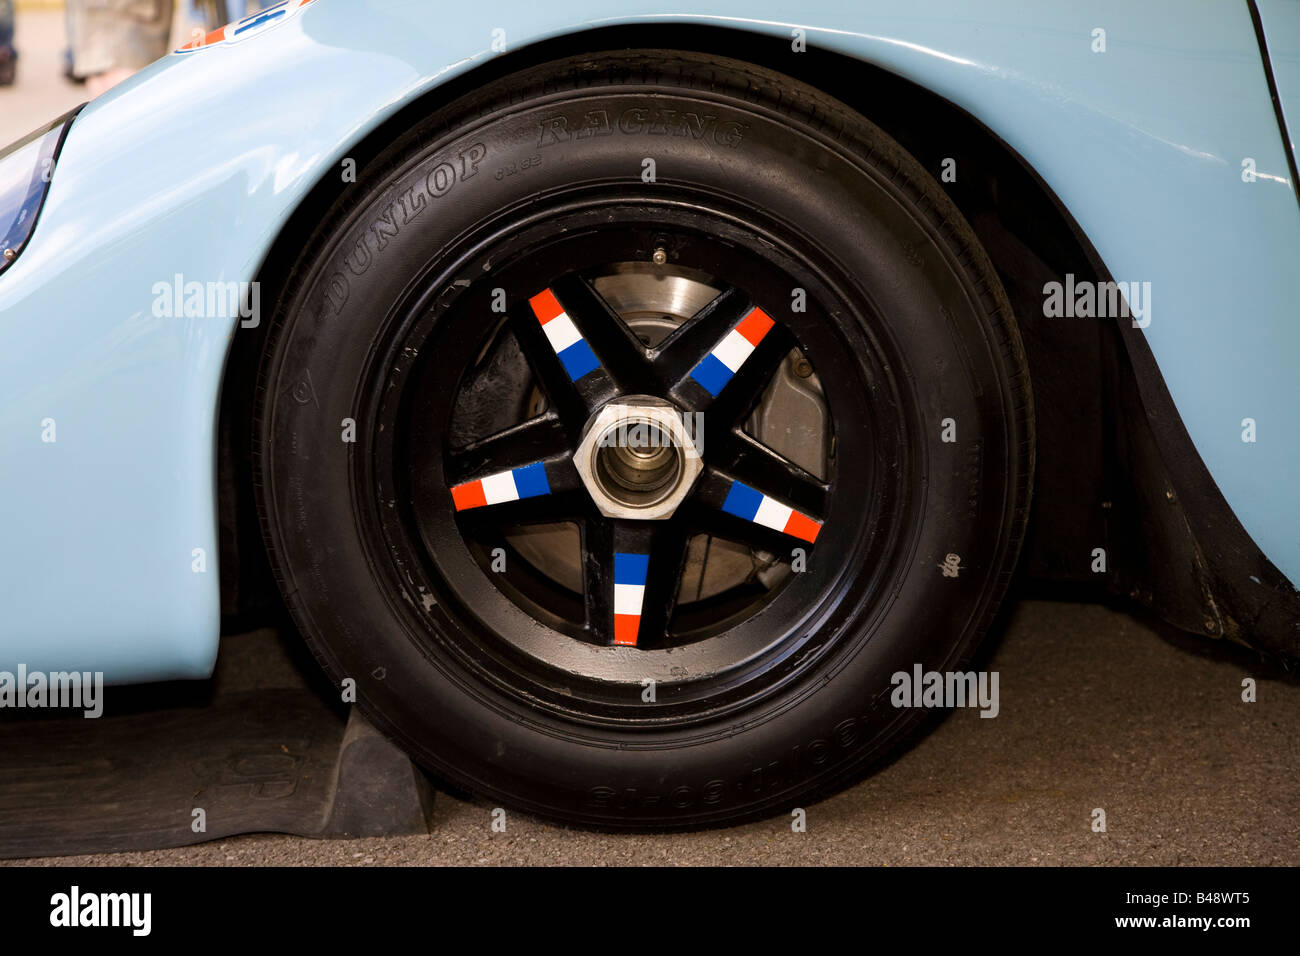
x=752 y=505
x=575 y=354
x=629 y=595
x=527 y=481
x=716 y=369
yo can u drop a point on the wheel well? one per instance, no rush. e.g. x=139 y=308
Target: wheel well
x=1096 y=462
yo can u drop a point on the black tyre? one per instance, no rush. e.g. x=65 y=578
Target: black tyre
x=665 y=204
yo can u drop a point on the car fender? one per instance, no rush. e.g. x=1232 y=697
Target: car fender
x=191 y=168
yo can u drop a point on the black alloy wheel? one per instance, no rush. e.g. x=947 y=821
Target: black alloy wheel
x=469 y=477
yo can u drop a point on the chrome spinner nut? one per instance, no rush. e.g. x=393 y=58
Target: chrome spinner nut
x=638 y=459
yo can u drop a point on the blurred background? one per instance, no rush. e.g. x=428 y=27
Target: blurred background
x=56 y=54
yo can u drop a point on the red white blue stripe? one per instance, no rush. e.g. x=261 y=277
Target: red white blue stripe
x=575 y=354
x=528 y=481
x=716 y=369
x=752 y=505
x=629 y=595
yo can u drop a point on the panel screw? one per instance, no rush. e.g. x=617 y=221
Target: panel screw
x=803 y=368
x=10 y=255
x=660 y=256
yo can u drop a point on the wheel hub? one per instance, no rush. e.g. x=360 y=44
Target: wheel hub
x=639 y=459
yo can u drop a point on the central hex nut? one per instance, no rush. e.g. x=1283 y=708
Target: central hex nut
x=638 y=459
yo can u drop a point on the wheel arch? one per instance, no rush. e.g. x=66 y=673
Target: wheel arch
x=1116 y=468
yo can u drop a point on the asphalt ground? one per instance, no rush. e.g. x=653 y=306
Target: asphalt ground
x=1097 y=710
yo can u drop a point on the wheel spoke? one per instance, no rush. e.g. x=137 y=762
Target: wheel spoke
x=712 y=520
x=560 y=358
x=543 y=490
x=566 y=505
x=631 y=572
x=739 y=511
x=741 y=392
x=619 y=353
x=537 y=439
x=730 y=361
x=745 y=458
x=695 y=338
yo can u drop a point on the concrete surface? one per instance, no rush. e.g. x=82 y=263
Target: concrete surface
x=1097 y=710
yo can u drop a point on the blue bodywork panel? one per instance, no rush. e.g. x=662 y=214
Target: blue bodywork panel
x=192 y=167
x=1281 y=22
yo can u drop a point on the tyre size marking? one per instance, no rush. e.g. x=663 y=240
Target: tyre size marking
x=572 y=349
x=752 y=505
x=527 y=481
x=629 y=593
x=725 y=359
x=510 y=169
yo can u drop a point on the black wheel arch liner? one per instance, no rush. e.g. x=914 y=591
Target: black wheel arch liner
x=1116 y=467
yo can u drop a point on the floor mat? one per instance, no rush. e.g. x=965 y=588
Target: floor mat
x=268 y=760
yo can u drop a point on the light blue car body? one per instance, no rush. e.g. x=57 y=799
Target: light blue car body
x=108 y=535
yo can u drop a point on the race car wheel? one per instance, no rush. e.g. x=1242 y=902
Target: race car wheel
x=628 y=426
